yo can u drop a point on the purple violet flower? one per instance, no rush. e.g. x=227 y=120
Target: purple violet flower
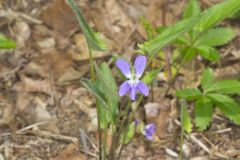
x=149 y=131
x=136 y=122
x=133 y=84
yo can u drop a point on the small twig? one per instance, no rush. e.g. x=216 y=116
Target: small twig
x=31 y=126
x=171 y=153
x=89 y=153
x=10 y=13
x=91 y=142
x=222 y=131
x=47 y=134
x=205 y=148
x=199 y=143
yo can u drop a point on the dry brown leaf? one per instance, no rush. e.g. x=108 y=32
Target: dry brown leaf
x=81 y=52
x=71 y=152
x=8 y=117
x=72 y=93
x=32 y=85
x=71 y=74
x=59 y=16
x=47 y=43
x=53 y=65
x=32 y=110
x=23 y=32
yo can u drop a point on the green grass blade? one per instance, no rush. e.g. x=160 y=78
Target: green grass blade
x=93 y=39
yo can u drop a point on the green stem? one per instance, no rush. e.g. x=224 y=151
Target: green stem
x=99 y=133
x=181 y=143
x=91 y=61
x=117 y=137
x=105 y=143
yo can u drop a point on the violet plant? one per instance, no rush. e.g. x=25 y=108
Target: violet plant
x=133 y=85
x=116 y=118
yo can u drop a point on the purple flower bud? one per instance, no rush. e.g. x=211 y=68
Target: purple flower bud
x=133 y=84
x=149 y=131
x=136 y=122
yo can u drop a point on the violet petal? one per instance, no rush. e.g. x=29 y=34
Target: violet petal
x=150 y=130
x=124 y=67
x=133 y=92
x=143 y=88
x=124 y=88
x=139 y=65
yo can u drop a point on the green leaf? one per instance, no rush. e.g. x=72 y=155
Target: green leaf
x=185 y=120
x=150 y=76
x=94 y=89
x=108 y=87
x=189 y=53
x=227 y=105
x=208 y=53
x=182 y=41
x=225 y=86
x=189 y=94
x=216 y=37
x=203 y=113
x=94 y=40
x=217 y=13
x=130 y=133
x=6 y=43
x=191 y=9
x=207 y=79
x=107 y=80
x=168 y=35
x=102 y=113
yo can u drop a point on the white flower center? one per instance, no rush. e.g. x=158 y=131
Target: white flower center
x=133 y=80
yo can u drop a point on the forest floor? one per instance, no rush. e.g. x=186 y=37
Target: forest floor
x=45 y=112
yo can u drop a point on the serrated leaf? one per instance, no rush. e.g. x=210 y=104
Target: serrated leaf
x=225 y=86
x=6 y=43
x=94 y=40
x=227 y=105
x=207 y=79
x=216 y=37
x=189 y=94
x=208 y=53
x=94 y=89
x=130 y=133
x=203 y=113
x=150 y=76
x=216 y=14
x=168 y=35
x=185 y=120
x=191 y=9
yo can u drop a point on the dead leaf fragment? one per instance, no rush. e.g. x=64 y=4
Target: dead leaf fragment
x=32 y=109
x=59 y=16
x=23 y=32
x=70 y=153
x=31 y=85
